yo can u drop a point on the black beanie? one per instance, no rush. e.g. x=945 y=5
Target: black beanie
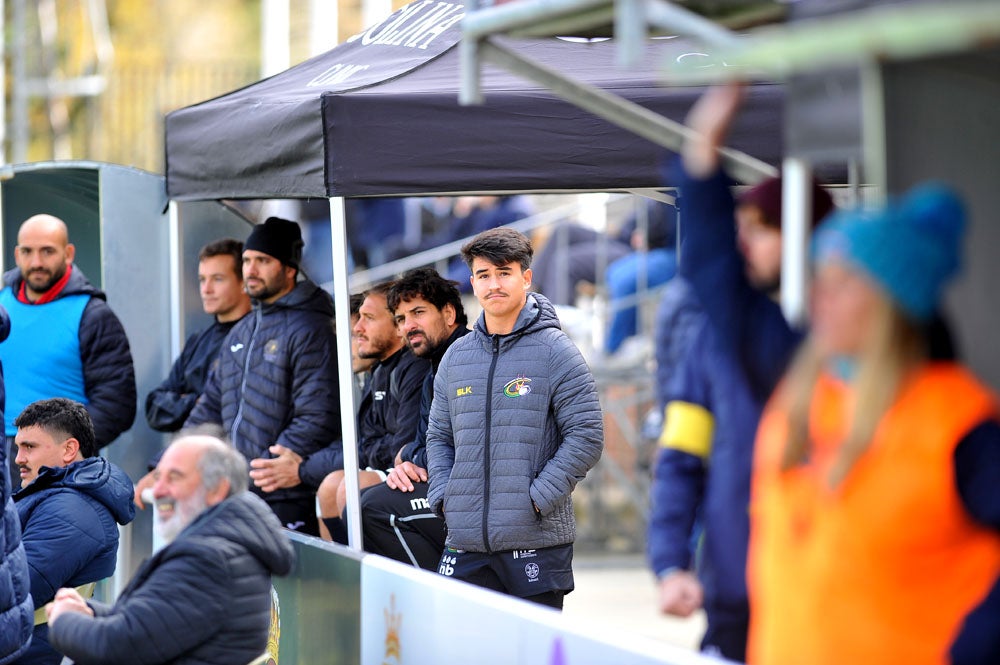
x=279 y=238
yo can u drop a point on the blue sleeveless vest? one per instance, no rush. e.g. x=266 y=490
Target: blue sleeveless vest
x=41 y=357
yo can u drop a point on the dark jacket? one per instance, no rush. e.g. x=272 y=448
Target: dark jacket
x=108 y=374
x=390 y=408
x=16 y=608
x=678 y=475
x=416 y=450
x=515 y=420
x=205 y=598
x=277 y=380
x=170 y=403
x=69 y=521
x=735 y=367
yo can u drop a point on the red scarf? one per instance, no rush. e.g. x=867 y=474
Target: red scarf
x=49 y=295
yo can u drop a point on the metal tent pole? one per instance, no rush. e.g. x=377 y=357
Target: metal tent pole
x=348 y=429
x=796 y=192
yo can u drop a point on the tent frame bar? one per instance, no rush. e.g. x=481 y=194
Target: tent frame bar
x=631 y=116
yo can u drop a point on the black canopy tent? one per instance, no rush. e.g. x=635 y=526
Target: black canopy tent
x=379 y=115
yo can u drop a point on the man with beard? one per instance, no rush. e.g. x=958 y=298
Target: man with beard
x=60 y=321
x=206 y=596
x=275 y=389
x=395 y=517
x=70 y=506
x=389 y=409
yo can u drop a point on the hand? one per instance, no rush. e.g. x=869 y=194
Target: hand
x=710 y=119
x=681 y=594
x=398 y=459
x=66 y=600
x=277 y=472
x=144 y=483
x=403 y=475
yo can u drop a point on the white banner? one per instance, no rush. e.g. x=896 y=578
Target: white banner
x=414 y=617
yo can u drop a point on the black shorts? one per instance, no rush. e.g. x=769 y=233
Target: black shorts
x=521 y=573
x=296 y=514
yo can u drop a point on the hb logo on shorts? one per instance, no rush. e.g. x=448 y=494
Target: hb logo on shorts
x=447 y=566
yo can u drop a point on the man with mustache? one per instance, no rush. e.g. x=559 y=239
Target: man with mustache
x=395 y=517
x=70 y=507
x=389 y=409
x=60 y=320
x=206 y=596
x=514 y=425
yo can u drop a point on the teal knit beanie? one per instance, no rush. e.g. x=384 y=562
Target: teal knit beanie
x=911 y=247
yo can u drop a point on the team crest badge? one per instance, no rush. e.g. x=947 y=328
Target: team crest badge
x=271 y=350
x=518 y=387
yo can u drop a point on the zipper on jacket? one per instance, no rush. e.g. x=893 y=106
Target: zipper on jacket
x=243 y=382
x=486 y=454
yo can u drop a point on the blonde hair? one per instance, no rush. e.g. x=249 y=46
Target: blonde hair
x=894 y=348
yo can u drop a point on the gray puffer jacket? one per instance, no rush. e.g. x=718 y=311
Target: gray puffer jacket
x=515 y=420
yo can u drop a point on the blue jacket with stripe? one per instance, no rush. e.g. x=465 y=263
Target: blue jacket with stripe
x=738 y=358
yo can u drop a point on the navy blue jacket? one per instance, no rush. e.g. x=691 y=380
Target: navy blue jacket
x=108 y=374
x=277 y=380
x=170 y=403
x=678 y=475
x=16 y=608
x=204 y=598
x=69 y=521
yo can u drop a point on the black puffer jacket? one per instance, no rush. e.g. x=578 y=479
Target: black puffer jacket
x=277 y=380
x=205 y=598
x=108 y=374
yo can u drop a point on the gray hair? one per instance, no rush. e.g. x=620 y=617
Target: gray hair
x=219 y=460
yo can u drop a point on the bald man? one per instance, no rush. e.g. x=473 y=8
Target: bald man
x=65 y=341
x=206 y=596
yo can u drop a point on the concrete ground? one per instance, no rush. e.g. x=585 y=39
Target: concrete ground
x=617 y=593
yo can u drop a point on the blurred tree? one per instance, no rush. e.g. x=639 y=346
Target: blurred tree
x=166 y=54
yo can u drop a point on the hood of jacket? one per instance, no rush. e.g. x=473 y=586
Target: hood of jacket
x=306 y=296
x=96 y=477
x=537 y=314
x=78 y=283
x=244 y=519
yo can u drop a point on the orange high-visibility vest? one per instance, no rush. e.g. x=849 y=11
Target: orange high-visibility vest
x=884 y=568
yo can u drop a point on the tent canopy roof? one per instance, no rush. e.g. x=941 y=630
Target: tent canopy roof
x=379 y=116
